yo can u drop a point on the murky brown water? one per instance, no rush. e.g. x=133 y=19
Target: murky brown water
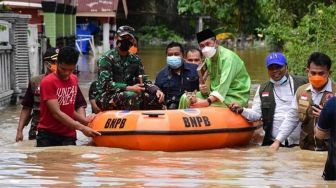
x=23 y=165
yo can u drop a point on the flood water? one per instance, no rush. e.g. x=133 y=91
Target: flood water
x=24 y=165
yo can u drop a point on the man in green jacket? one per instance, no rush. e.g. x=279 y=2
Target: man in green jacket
x=229 y=80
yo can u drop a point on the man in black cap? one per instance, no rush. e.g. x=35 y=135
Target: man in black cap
x=120 y=84
x=229 y=80
x=31 y=100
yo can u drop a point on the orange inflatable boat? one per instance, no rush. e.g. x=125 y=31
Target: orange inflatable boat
x=172 y=130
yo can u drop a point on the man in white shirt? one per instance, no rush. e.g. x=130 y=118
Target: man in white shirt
x=272 y=100
x=306 y=108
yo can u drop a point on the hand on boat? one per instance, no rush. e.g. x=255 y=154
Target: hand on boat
x=160 y=96
x=274 y=147
x=138 y=88
x=200 y=103
x=234 y=107
x=87 y=131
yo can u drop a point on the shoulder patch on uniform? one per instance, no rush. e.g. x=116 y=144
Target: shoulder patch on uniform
x=304 y=96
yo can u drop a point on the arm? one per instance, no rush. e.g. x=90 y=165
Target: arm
x=287 y=126
x=94 y=106
x=92 y=98
x=227 y=75
x=326 y=120
x=81 y=111
x=25 y=116
x=321 y=134
x=253 y=114
x=24 y=120
x=158 y=80
x=60 y=116
x=80 y=103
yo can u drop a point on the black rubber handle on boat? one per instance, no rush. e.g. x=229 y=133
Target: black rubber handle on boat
x=152 y=114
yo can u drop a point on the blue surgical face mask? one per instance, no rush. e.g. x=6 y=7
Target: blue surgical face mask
x=174 y=62
x=279 y=82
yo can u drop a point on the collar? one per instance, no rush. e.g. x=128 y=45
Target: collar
x=327 y=87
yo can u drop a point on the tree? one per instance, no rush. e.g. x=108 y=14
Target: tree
x=283 y=17
x=238 y=16
x=315 y=32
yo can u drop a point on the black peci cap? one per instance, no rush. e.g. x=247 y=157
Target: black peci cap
x=205 y=34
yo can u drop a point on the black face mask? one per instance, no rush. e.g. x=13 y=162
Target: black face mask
x=124 y=45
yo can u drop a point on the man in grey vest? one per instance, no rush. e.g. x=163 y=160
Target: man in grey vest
x=307 y=104
x=272 y=100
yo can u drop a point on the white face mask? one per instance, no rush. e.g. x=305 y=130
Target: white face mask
x=279 y=82
x=209 y=51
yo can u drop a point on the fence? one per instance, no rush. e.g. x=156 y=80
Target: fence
x=5 y=72
x=14 y=64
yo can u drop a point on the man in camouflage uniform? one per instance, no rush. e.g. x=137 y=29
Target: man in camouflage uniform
x=31 y=100
x=121 y=83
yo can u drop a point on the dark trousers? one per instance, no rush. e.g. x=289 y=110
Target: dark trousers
x=330 y=166
x=46 y=139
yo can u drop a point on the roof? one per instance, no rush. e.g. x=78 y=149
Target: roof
x=23 y=4
x=89 y=8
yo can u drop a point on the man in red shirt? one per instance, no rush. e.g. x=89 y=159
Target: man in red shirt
x=31 y=100
x=59 y=120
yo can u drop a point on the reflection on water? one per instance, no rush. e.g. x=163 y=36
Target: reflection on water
x=23 y=165
x=96 y=166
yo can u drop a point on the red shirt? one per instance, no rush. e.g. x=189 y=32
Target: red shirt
x=65 y=92
x=28 y=99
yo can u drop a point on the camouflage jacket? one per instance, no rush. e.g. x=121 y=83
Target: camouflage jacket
x=116 y=72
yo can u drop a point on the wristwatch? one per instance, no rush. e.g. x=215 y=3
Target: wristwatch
x=209 y=101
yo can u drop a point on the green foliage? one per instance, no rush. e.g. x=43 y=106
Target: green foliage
x=281 y=23
x=192 y=6
x=241 y=16
x=316 y=32
x=299 y=28
x=3 y=27
x=4 y=8
x=149 y=34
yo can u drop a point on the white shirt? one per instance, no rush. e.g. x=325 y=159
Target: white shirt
x=283 y=95
x=292 y=117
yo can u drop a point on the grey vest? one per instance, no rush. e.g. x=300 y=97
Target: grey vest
x=268 y=105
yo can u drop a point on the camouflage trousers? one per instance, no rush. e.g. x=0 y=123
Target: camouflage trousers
x=129 y=100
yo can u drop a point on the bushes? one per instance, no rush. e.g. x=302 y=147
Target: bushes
x=156 y=35
x=314 y=32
